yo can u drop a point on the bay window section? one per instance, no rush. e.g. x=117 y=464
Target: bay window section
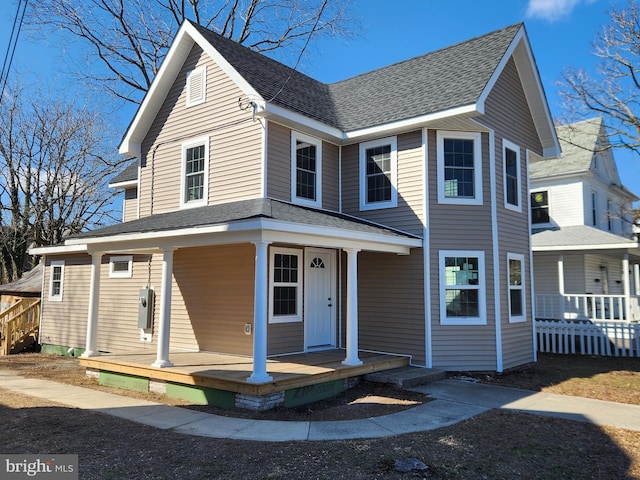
x=306 y=170
x=515 y=264
x=378 y=174
x=462 y=289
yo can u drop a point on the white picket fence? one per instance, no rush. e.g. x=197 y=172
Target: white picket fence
x=589 y=337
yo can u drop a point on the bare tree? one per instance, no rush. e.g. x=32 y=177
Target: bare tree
x=613 y=91
x=129 y=38
x=53 y=175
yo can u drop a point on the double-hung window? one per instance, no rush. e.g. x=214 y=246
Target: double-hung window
x=306 y=170
x=459 y=158
x=511 y=157
x=540 y=207
x=462 y=288
x=379 y=174
x=195 y=168
x=515 y=264
x=56 y=280
x=285 y=279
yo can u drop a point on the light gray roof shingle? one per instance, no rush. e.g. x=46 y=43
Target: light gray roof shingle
x=237 y=211
x=577 y=235
x=448 y=78
x=29 y=284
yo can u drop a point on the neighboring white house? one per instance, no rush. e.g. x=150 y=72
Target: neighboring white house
x=586 y=259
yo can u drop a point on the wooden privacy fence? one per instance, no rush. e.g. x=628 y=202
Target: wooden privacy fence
x=607 y=338
x=19 y=325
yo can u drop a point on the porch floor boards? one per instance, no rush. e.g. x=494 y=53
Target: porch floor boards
x=230 y=372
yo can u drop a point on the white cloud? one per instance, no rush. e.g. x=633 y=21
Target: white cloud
x=551 y=10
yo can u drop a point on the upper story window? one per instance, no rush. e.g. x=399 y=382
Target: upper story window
x=511 y=156
x=285 y=278
x=379 y=174
x=121 y=266
x=594 y=209
x=306 y=170
x=609 y=214
x=462 y=288
x=195 y=168
x=56 y=280
x=196 y=86
x=516 y=288
x=459 y=168
x=540 y=207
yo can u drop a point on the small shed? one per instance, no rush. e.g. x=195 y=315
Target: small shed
x=28 y=286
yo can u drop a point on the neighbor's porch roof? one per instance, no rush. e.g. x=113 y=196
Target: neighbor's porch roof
x=582 y=239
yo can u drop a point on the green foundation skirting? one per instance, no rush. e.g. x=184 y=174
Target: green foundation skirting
x=121 y=380
x=312 y=393
x=61 y=350
x=201 y=395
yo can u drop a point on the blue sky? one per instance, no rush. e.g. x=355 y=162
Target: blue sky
x=561 y=33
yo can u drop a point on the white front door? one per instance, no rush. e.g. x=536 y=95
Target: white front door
x=320 y=301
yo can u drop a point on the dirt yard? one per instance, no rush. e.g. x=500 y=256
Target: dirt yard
x=496 y=445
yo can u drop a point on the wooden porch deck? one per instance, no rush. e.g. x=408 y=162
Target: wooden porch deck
x=230 y=372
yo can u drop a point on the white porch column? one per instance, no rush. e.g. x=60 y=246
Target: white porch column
x=561 y=284
x=626 y=285
x=91 y=349
x=260 y=315
x=352 y=308
x=162 y=357
x=636 y=277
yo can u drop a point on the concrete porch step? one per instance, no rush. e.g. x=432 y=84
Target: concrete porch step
x=406 y=377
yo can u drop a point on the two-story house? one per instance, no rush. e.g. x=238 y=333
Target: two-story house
x=271 y=214
x=586 y=261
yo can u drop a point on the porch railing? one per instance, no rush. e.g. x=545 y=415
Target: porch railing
x=587 y=307
x=19 y=325
x=597 y=337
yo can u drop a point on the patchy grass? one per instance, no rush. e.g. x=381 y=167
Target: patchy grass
x=496 y=445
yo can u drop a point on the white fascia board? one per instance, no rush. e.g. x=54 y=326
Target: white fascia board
x=573 y=248
x=127 y=184
x=262 y=229
x=410 y=123
x=326 y=132
x=59 y=249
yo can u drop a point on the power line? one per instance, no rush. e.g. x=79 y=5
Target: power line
x=11 y=47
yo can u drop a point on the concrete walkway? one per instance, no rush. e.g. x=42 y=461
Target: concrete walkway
x=455 y=400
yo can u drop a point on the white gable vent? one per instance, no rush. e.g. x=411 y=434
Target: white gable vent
x=196 y=86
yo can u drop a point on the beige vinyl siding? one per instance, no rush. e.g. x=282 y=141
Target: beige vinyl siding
x=391 y=304
x=285 y=338
x=235 y=142
x=507 y=113
x=278 y=162
x=65 y=323
x=130 y=207
x=216 y=285
x=464 y=228
x=279 y=167
x=407 y=216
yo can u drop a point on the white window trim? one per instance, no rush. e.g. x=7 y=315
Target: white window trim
x=506 y=144
x=286 y=318
x=121 y=258
x=56 y=263
x=295 y=137
x=393 y=202
x=523 y=317
x=183 y=175
x=477 y=167
x=480 y=320
x=203 y=95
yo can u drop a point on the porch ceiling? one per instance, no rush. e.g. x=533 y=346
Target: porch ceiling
x=246 y=221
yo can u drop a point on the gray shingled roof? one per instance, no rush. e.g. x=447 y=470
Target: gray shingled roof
x=578 y=235
x=129 y=174
x=578 y=142
x=30 y=284
x=448 y=78
x=241 y=210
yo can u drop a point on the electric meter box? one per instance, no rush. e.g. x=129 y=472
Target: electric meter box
x=145 y=308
